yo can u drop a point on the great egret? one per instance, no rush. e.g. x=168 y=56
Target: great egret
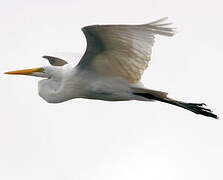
x=110 y=69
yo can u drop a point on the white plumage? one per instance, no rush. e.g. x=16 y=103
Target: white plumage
x=110 y=69
x=121 y=50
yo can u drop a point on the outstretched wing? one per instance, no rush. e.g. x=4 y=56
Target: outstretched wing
x=121 y=50
x=55 y=61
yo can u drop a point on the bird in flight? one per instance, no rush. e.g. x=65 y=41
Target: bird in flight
x=110 y=68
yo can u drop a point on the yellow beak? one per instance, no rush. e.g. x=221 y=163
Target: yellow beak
x=25 y=71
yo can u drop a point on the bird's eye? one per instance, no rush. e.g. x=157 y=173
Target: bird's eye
x=42 y=70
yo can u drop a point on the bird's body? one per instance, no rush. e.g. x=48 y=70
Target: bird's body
x=110 y=69
x=74 y=83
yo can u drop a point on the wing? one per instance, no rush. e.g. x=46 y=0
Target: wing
x=121 y=50
x=54 y=61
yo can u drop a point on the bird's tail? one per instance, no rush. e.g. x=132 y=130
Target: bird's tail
x=197 y=108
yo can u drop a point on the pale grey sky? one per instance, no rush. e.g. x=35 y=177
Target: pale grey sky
x=85 y=139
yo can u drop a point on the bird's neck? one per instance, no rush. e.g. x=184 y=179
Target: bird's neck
x=54 y=91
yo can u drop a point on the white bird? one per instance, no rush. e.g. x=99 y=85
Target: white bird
x=110 y=69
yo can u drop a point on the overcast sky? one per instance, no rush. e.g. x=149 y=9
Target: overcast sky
x=85 y=139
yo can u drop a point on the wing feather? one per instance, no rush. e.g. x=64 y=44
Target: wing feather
x=121 y=50
x=55 y=61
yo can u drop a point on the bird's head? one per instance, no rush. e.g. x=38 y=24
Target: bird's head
x=55 y=80
x=44 y=72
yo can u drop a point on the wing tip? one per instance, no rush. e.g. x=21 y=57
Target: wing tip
x=159 y=21
x=47 y=57
x=161 y=27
